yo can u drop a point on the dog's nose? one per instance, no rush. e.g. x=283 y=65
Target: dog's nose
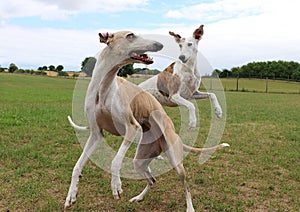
x=182 y=58
x=158 y=46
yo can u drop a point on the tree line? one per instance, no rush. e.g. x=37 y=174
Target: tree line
x=285 y=70
x=51 y=68
x=13 y=68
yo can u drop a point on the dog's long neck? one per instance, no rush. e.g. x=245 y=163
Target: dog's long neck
x=196 y=70
x=105 y=72
x=192 y=63
x=103 y=78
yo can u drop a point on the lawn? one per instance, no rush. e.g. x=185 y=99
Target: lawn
x=259 y=172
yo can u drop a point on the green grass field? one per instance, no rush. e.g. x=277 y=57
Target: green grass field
x=260 y=171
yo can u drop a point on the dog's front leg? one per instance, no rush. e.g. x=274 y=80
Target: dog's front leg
x=89 y=148
x=176 y=98
x=116 y=184
x=213 y=98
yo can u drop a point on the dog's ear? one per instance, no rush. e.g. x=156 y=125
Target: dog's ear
x=105 y=37
x=176 y=36
x=198 y=33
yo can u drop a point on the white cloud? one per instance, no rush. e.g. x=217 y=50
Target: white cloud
x=96 y=5
x=217 y=10
x=30 y=8
x=175 y=14
x=61 y=9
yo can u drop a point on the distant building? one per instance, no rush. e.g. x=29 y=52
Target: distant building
x=51 y=73
x=76 y=73
x=82 y=74
x=70 y=73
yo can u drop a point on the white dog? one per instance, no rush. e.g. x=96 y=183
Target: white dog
x=180 y=81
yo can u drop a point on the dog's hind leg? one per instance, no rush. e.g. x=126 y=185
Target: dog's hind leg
x=146 y=151
x=151 y=181
x=182 y=176
x=131 y=133
x=175 y=155
x=141 y=165
x=89 y=148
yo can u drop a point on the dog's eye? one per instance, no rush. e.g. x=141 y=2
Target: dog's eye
x=189 y=44
x=130 y=36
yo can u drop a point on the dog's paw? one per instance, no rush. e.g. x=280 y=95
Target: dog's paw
x=117 y=192
x=192 y=125
x=225 y=144
x=116 y=187
x=70 y=200
x=218 y=112
x=137 y=198
x=159 y=157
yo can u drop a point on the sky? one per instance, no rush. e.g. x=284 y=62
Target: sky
x=35 y=33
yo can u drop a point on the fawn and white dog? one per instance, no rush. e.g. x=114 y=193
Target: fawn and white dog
x=180 y=81
x=122 y=108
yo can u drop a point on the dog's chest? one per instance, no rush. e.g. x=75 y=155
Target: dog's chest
x=109 y=113
x=188 y=85
x=109 y=119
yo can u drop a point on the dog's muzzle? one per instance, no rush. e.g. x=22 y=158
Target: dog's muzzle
x=183 y=58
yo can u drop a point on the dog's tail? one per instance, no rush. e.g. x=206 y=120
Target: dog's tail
x=77 y=127
x=187 y=148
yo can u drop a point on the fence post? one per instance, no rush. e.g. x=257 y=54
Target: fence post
x=237 y=83
x=267 y=84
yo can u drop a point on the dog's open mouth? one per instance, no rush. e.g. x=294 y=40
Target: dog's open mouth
x=144 y=58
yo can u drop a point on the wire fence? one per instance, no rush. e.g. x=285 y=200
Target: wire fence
x=253 y=85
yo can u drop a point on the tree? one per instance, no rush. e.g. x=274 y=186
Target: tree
x=63 y=73
x=224 y=73
x=126 y=70
x=12 y=68
x=44 y=68
x=59 y=68
x=217 y=71
x=88 y=65
x=235 y=71
x=41 y=72
x=51 y=68
x=296 y=74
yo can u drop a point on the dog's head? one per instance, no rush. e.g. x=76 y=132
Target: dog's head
x=188 y=46
x=130 y=48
